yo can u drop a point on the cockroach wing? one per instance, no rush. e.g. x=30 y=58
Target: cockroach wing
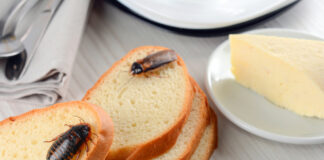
x=158 y=59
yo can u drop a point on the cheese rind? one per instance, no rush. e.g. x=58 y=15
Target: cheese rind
x=289 y=72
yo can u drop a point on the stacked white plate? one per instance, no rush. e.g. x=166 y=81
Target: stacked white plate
x=253 y=112
x=204 y=14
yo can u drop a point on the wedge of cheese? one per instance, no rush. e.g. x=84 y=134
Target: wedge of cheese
x=289 y=72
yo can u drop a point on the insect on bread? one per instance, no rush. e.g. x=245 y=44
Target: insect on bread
x=69 y=143
x=153 y=61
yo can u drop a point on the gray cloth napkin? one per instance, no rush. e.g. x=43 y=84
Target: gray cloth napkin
x=47 y=76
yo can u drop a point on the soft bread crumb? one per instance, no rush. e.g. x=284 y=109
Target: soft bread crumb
x=141 y=107
x=23 y=138
x=207 y=144
x=190 y=132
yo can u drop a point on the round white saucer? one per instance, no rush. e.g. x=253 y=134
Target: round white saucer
x=253 y=112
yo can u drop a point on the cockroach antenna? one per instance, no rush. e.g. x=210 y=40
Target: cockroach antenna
x=81 y=120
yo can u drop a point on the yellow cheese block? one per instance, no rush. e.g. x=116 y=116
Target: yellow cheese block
x=289 y=72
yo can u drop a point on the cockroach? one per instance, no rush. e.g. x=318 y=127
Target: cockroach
x=68 y=144
x=153 y=61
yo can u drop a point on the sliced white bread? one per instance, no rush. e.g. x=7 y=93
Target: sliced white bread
x=208 y=141
x=23 y=137
x=193 y=129
x=148 y=111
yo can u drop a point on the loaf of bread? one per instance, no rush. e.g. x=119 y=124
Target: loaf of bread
x=193 y=129
x=23 y=137
x=148 y=111
x=208 y=141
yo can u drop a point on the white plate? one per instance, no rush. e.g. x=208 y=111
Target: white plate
x=206 y=14
x=251 y=111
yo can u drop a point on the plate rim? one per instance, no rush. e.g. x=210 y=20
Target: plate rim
x=244 y=125
x=155 y=17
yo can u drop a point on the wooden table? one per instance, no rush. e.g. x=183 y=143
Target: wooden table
x=111 y=33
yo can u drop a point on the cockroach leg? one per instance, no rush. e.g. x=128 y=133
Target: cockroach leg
x=87 y=148
x=78 y=155
x=95 y=135
x=125 y=84
x=68 y=125
x=81 y=120
x=54 y=139
x=91 y=141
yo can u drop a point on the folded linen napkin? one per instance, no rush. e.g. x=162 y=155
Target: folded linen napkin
x=47 y=75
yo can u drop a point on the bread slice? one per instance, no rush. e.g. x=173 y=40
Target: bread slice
x=23 y=137
x=208 y=141
x=193 y=129
x=148 y=111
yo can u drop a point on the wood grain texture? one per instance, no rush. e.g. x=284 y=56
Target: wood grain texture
x=111 y=33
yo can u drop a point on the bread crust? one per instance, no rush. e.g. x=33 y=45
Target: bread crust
x=105 y=128
x=214 y=141
x=105 y=137
x=203 y=121
x=204 y=114
x=166 y=140
x=215 y=123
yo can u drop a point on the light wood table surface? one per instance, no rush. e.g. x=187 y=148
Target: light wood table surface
x=110 y=33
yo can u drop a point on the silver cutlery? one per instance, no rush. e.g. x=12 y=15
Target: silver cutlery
x=40 y=16
x=9 y=44
x=7 y=9
x=10 y=23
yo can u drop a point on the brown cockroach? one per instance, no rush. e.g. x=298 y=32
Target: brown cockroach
x=153 y=61
x=68 y=144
